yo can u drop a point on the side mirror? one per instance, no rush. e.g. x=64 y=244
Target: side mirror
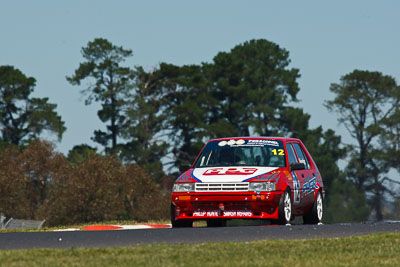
x=297 y=166
x=184 y=168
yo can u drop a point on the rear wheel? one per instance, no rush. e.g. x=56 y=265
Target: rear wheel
x=216 y=223
x=179 y=223
x=316 y=213
x=285 y=209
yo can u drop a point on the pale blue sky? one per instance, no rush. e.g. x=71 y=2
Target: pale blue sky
x=326 y=39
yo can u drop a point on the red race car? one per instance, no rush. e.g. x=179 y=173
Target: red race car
x=270 y=178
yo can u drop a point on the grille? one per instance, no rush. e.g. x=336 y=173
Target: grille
x=221 y=187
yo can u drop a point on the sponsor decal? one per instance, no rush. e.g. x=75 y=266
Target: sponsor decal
x=227 y=213
x=310 y=183
x=232 y=174
x=230 y=213
x=240 y=142
x=296 y=188
x=223 y=143
x=184 y=178
x=261 y=142
x=230 y=171
x=212 y=213
x=187 y=177
x=243 y=213
x=232 y=142
x=200 y=213
x=250 y=142
x=268 y=177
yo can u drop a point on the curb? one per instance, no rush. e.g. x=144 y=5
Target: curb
x=116 y=227
x=125 y=227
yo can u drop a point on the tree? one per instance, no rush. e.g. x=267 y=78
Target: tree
x=242 y=92
x=102 y=188
x=365 y=102
x=146 y=115
x=343 y=201
x=389 y=142
x=191 y=110
x=80 y=153
x=22 y=117
x=39 y=183
x=111 y=84
x=254 y=85
x=390 y=139
x=25 y=177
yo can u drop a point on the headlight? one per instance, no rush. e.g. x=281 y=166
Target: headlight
x=262 y=186
x=184 y=187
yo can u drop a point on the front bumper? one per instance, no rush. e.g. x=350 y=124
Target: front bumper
x=235 y=205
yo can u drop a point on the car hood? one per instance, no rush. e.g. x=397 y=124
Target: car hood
x=229 y=174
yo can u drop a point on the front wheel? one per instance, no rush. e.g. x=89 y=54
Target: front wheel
x=179 y=223
x=315 y=215
x=285 y=209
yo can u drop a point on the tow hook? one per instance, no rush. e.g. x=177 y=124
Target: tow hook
x=221 y=209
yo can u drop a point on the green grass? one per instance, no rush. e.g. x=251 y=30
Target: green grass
x=371 y=250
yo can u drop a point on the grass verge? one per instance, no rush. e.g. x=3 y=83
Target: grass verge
x=371 y=250
x=81 y=226
x=201 y=223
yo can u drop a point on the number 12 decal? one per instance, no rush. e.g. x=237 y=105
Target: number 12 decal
x=279 y=152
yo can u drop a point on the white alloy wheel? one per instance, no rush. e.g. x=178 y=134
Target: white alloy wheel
x=319 y=207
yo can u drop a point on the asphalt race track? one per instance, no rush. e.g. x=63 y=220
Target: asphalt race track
x=98 y=239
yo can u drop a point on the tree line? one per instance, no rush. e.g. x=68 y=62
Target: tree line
x=158 y=120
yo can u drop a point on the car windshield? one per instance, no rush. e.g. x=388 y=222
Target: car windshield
x=242 y=152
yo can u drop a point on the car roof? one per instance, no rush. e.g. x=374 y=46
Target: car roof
x=285 y=139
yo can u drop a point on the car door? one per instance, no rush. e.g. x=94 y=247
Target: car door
x=298 y=180
x=308 y=177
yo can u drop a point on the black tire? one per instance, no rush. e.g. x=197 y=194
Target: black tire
x=179 y=223
x=316 y=212
x=216 y=223
x=285 y=209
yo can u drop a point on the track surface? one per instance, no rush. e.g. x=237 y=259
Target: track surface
x=97 y=239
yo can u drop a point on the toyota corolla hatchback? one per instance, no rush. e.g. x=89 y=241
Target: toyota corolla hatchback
x=270 y=178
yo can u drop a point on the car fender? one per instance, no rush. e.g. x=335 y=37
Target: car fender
x=317 y=190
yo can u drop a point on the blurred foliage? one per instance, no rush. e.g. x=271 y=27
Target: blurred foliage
x=38 y=183
x=345 y=203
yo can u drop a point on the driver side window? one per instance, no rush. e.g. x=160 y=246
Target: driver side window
x=301 y=155
x=291 y=156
